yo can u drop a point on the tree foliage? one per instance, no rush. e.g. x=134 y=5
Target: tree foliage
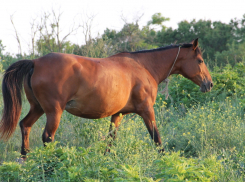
x=221 y=43
x=2 y=47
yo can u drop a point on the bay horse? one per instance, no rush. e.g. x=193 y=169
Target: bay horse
x=95 y=87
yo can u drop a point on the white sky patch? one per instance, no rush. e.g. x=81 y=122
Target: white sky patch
x=108 y=15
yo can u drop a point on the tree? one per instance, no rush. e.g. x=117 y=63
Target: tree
x=97 y=47
x=2 y=47
x=158 y=19
x=50 y=39
x=5 y=58
x=132 y=38
x=214 y=36
x=238 y=29
x=233 y=55
x=16 y=34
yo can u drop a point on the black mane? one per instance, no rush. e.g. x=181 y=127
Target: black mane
x=165 y=48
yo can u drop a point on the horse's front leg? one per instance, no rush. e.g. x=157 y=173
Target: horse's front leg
x=148 y=115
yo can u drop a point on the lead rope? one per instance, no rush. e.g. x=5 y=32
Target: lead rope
x=165 y=90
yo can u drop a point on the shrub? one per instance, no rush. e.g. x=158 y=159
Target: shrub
x=176 y=168
x=54 y=163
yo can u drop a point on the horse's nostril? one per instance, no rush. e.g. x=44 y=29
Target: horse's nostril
x=211 y=84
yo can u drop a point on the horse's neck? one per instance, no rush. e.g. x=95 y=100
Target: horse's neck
x=159 y=63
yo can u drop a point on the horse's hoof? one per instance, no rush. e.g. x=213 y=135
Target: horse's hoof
x=21 y=160
x=107 y=151
x=161 y=151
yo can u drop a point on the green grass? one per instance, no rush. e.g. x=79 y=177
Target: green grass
x=203 y=143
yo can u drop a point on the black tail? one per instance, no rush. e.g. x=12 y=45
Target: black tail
x=12 y=87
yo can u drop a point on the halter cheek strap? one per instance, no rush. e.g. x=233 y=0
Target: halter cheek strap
x=165 y=90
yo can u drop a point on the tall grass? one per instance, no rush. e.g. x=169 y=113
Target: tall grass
x=206 y=140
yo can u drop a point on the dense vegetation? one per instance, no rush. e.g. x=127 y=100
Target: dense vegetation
x=203 y=134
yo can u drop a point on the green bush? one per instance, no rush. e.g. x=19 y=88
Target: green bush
x=54 y=163
x=175 y=168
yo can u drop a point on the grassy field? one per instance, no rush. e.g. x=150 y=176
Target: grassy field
x=203 y=143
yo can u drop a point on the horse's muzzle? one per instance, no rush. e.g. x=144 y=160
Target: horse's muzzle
x=206 y=86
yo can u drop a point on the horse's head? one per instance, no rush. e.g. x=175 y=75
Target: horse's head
x=193 y=67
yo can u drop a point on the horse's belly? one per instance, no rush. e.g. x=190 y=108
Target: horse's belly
x=94 y=109
x=105 y=97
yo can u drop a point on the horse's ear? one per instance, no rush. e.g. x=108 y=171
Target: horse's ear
x=194 y=43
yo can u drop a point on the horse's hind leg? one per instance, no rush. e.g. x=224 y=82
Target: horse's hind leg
x=26 y=124
x=53 y=120
x=115 y=119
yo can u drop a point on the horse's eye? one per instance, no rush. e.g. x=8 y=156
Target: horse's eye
x=200 y=61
